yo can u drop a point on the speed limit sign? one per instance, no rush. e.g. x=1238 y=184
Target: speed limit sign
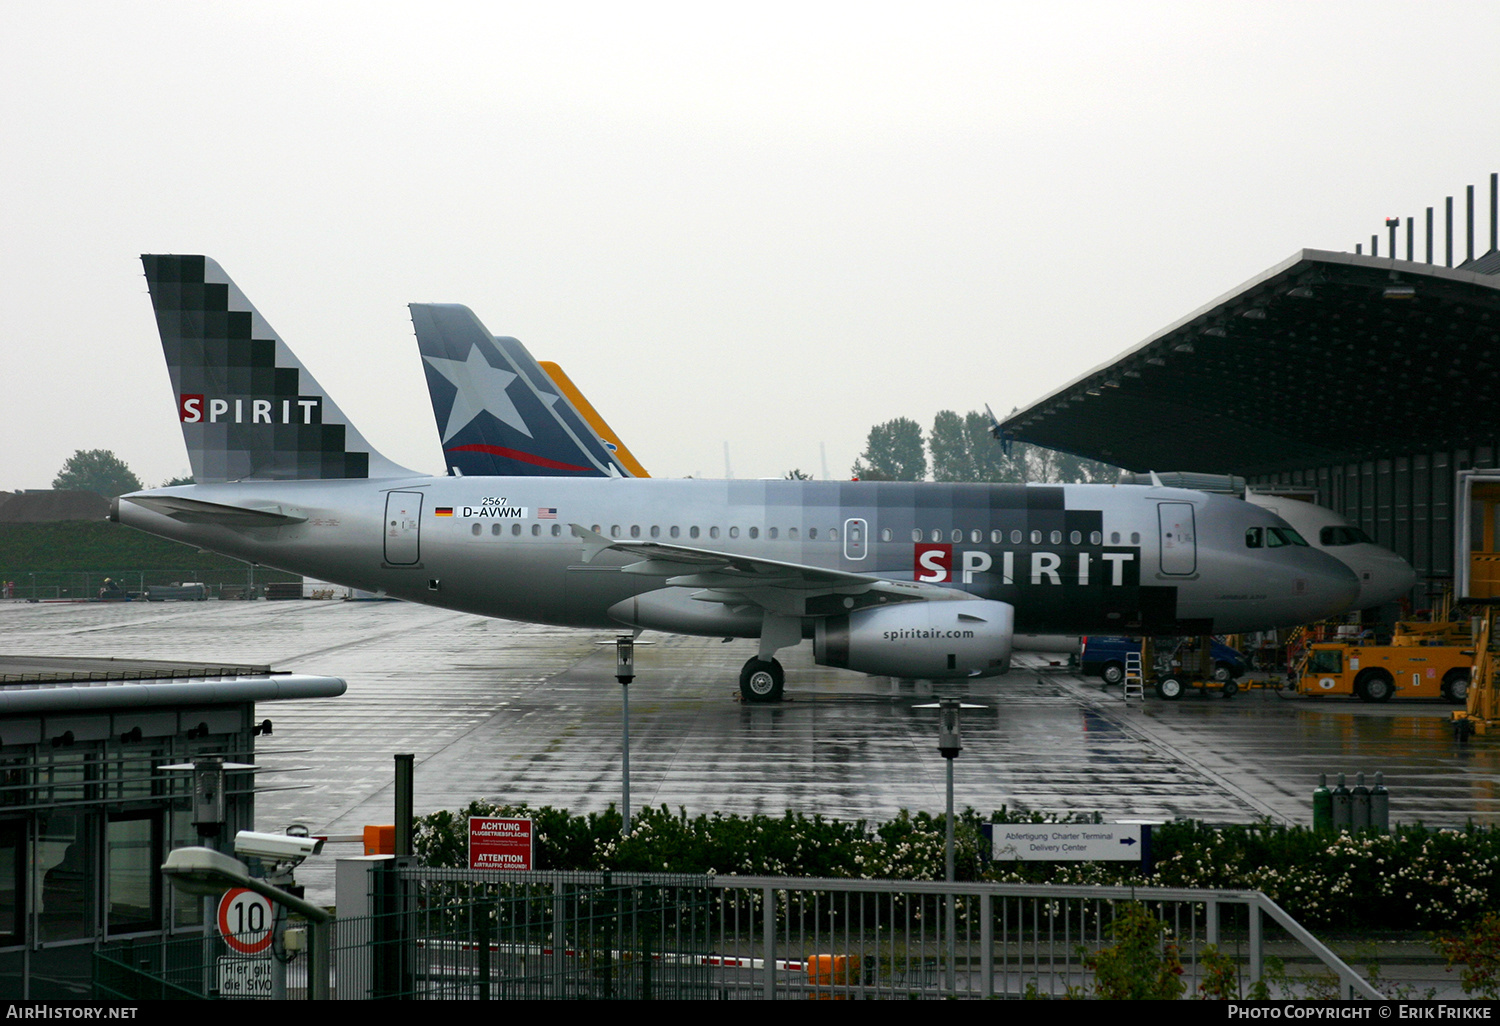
x=245 y=921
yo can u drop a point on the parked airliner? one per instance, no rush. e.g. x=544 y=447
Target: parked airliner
x=889 y=578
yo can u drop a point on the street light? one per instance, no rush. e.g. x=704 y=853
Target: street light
x=625 y=673
x=950 y=743
x=205 y=872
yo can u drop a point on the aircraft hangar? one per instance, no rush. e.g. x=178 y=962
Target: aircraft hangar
x=1373 y=379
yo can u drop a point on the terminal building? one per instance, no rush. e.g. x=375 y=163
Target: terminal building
x=97 y=784
x=1370 y=382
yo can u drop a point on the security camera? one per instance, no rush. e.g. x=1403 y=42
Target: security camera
x=276 y=847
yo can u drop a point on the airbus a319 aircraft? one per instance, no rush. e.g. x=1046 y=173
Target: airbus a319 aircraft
x=889 y=578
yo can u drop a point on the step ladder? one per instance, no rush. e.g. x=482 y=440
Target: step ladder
x=1134 y=684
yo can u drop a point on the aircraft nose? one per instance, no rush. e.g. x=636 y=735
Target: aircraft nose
x=1385 y=578
x=1329 y=587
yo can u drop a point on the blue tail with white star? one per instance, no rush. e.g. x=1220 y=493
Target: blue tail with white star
x=249 y=410
x=498 y=413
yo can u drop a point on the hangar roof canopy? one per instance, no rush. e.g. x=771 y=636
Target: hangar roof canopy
x=1325 y=358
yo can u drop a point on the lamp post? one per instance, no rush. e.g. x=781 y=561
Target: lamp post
x=949 y=745
x=625 y=673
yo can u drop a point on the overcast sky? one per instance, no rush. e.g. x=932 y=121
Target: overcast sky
x=771 y=225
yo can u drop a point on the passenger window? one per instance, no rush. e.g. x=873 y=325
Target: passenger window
x=1096 y=537
x=536 y=530
x=833 y=534
x=885 y=534
x=1076 y=537
x=937 y=535
x=477 y=529
x=1015 y=537
x=1056 y=537
x=557 y=530
x=713 y=532
x=791 y=533
x=495 y=529
x=1036 y=537
x=515 y=530
x=916 y=534
x=635 y=530
x=812 y=534
x=692 y=532
x=614 y=532
x=655 y=531
x=1135 y=537
x=976 y=536
x=734 y=532
x=771 y=533
x=674 y=532
x=1114 y=537
x=754 y=533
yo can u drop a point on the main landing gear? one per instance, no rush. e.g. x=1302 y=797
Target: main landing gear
x=761 y=680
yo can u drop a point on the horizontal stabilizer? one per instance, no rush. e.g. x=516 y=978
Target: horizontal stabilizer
x=196 y=511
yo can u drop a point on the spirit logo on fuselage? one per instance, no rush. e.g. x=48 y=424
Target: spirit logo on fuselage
x=932 y=563
x=200 y=409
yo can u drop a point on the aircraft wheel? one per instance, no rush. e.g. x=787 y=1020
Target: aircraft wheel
x=1456 y=687
x=1223 y=672
x=1378 y=688
x=1230 y=688
x=1114 y=673
x=1169 y=688
x=761 y=680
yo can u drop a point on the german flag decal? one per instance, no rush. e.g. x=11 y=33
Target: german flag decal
x=443 y=511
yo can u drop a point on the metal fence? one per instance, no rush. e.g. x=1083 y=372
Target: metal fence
x=619 y=935
x=460 y=935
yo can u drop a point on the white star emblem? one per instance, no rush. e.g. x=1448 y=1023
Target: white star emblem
x=481 y=388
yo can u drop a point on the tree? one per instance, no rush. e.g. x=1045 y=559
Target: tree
x=963 y=450
x=96 y=470
x=796 y=474
x=894 y=452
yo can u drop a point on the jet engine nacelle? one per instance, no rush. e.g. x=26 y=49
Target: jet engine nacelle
x=928 y=640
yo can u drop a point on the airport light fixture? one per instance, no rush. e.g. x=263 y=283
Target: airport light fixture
x=950 y=743
x=208 y=873
x=625 y=673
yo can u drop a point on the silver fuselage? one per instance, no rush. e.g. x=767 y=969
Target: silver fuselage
x=1069 y=558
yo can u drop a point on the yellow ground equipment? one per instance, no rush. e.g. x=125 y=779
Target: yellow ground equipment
x=1422 y=661
x=1480 y=714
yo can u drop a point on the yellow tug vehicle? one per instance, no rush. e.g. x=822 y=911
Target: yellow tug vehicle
x=1423 y=660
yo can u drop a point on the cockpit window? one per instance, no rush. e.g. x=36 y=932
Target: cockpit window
x=1278 y=536
x=1347 y=535
x=1253 y=538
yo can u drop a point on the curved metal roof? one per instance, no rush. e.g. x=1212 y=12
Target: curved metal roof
x=1324 y=358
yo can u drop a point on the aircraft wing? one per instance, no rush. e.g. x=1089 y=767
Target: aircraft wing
x=790 y=589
